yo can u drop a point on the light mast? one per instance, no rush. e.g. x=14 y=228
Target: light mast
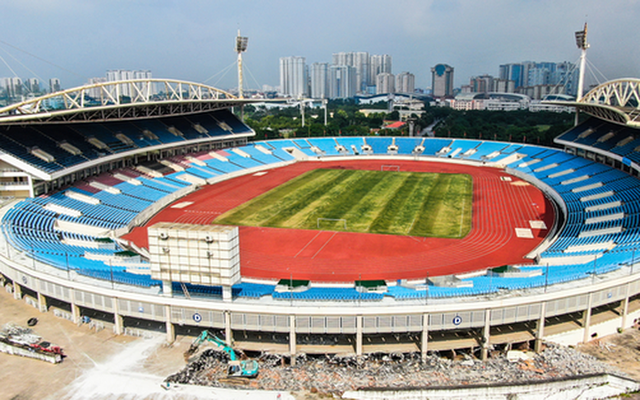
x=581 y=41
x=241 y=46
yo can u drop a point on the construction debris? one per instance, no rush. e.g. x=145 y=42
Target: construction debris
x=332 y=374
x=23 y=342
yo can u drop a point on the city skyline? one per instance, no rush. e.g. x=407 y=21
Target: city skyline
x=193 y=40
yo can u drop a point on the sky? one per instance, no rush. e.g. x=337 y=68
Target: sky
x=193 y=40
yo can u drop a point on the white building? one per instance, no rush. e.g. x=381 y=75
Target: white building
x=385 y=83
x=33 y=85
x=504 y=86
x=293 y=77
x=125 y=75
x=319 y=80
x=342 y=82
x=405 y=82
x=12 y=86
x=54 y=85
x=378 y=64
x=358 y=60
x=490 y=101
x=95 y=92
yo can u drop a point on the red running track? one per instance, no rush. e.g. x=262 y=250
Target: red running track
x=499 y=207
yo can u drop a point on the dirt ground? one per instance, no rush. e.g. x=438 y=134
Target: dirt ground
x=88 y=350
x=25 y=378
x=619 y=350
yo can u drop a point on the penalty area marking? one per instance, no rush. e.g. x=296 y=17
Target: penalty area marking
x=182 y=204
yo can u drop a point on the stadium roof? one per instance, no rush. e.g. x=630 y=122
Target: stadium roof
x=616 y=101
x=120 y=100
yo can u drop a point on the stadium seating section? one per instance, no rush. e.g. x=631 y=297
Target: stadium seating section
x=55 y=147
x=602 y=224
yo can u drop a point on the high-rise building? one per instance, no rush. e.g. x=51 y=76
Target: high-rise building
x=567 y=74
x=481 y=84
x=33 y=85
x=119 y=75
x=385 y=83
x=361 y=64
x=293 y=77
x=442 y=80
x=530 y=74
x=512 y=72
x=126 y=75
x=54 y=85
x=342 y=82
x=342 y=59
x=95 y=92
x=359 y=61
x=319 y=80
x=504 y=86
x=12 y=87
x=142 y=74
x=405 y=82
x=377 y=65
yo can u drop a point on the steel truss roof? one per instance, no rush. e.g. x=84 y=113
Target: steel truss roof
x=107 y=101
x=616 y=101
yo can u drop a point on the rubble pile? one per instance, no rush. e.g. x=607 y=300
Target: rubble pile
x=329 y=374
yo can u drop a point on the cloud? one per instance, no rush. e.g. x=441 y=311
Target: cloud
x=193 y=39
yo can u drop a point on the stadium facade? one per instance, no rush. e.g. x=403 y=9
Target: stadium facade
x=94 y=168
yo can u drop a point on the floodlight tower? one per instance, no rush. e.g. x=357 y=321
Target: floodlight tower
x=241 y=46
x=581 y=42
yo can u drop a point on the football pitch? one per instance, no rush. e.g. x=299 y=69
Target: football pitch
x=387 y=202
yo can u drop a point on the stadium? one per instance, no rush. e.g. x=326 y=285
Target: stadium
x=544 y=251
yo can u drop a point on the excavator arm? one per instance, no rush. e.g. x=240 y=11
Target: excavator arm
x=237 y=368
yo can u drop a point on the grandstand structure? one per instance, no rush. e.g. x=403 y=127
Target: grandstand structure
x=93 y=169
x=64 y=137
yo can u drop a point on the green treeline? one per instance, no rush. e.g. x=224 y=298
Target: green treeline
x=345 y=119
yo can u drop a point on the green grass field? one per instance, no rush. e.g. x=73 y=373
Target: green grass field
x=389 y=202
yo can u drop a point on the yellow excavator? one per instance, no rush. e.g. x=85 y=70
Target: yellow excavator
x=237 y=368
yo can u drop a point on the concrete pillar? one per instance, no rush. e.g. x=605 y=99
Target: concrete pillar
x=75 y=313
x=75 y=310
x=171 y=328
x=586 y=324
x=118 y=321
x=292 y=338
x=226 y=293
x=540 y=328
x=17 y=291
x=625 y=308
x=425 y=337
x=167 y=288
x=42 y=302
x=228 y=334
x=486 y=335
x=359 y=336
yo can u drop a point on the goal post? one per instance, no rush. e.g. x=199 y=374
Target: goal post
x=332 y=221
x=390 y=167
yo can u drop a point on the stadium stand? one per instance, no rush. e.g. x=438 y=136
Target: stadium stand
x=602 y=221
x=54 y=148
